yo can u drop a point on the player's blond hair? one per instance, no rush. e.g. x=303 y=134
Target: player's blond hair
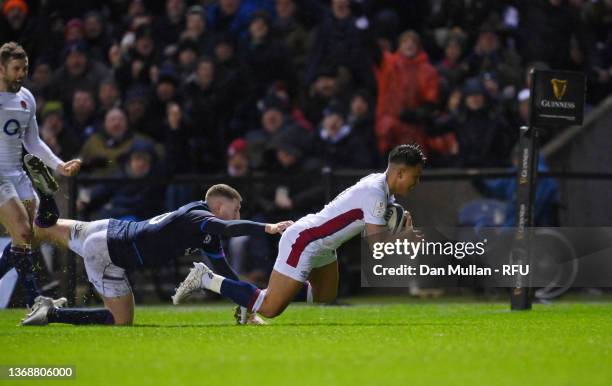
x=11 y=50
x=223 y=190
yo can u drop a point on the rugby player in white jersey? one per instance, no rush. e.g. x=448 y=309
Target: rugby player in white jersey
x=307 y=249
x=18 y=199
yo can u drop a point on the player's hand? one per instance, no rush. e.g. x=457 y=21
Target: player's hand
x=70 y=168
x=278 y=227
x=408 y=230
x=407 y=220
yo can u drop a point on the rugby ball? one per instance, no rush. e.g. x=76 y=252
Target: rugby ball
x=394 y=215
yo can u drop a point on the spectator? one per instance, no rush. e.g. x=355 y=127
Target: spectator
x=489 y=55
x=546 y=31
x=598 y=17
x=265 y=58
x=78 y=71
x=82 y=120
x=452 y=69
x=135 y=105
x=407 y=94
x=18 y=25
x=126 y=198
x=484 y=137
x=361 y=119
x=274 y=120
x=96 y=36
x=294 y=33
x=186 y=58
x=101 y=151
x=165 y=91
x=296 y=195
x=187 y=150
x=109 y=96
x=206 y=105
x=325 y=88
x=237 y=158
x=73 y=31
x=136 y=64
x=227 y=66
x=40 y=80
x=467 y=16
x=338 y=43
x=338 y=145
x=195 y=30
x=231 y=16
x=60 y=139
x=167 y=29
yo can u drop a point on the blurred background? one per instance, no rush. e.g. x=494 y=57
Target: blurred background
x=291 y=101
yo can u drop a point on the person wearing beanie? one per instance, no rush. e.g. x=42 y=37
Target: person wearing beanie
x=237 y=158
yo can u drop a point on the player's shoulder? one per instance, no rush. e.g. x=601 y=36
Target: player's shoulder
x=25 y=93
x=193 y=206
x=27 y=96
x=373 y=184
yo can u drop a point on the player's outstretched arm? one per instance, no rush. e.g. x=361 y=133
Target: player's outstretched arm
x=234 y=228
x=279 y=227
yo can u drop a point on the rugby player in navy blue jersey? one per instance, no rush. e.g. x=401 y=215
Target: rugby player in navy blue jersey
x=111 y=247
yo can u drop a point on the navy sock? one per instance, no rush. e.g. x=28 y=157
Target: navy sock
x=6 y=262
x=242 y=293
x=219 y=264
x=24 y=264
x=47 y=213
x=80 y=316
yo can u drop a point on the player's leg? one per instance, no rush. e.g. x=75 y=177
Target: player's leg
x=15 y=220
x=286 y=281
x=281 y=291
x=269 y=302
x=110 y=281
x=324 y=281
x=58 y=234
x=119 y=311
x=121 y=308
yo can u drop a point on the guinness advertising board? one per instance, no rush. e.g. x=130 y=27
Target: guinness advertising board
x=557 y=98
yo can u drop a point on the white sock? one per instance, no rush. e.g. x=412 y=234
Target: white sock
x=212 y=282
x=309 y=294
x=259 y=301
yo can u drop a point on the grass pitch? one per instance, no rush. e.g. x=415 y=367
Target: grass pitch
x=420 y=343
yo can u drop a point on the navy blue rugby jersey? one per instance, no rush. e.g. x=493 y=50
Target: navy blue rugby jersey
x=153 y=242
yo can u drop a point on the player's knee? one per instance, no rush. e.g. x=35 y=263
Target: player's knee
x=21 y=232
x=271 y=312
x=41 y=233
x=271 y=309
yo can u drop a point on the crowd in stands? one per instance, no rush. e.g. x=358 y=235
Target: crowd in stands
x=143 y=88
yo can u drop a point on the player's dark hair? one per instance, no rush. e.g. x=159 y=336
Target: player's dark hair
x=11 y=50
x=223 y=190
x=408 y=154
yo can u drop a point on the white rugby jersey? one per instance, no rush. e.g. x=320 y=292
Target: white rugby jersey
x=18 y=126
x=346 y=215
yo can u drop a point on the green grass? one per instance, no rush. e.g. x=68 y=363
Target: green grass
x=423 y=343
